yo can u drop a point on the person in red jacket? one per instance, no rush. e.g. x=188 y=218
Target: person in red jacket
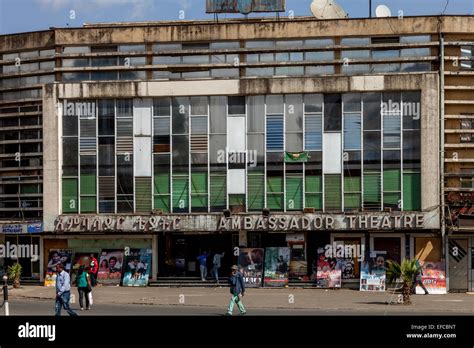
x=94 y=268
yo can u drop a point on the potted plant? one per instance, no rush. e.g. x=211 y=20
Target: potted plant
x=406 y=271
x=14 y=273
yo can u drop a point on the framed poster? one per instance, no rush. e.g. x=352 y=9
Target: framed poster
x=110 y=267
x=373 y=272
x=55 y=257
x=328 y=275
x=136 y=271
x=251 y=264
x=276 y=266
x=433 y=278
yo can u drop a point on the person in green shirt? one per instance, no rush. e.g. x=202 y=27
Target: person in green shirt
x=83 y=282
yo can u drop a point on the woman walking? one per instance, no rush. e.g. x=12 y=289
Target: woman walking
x=83 y=282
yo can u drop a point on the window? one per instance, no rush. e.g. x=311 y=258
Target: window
x=294 y=123
x=162 y=182
x=275 y=187
x=313 y=181
x=332 y=112
x=274 y=132
x=236 y=105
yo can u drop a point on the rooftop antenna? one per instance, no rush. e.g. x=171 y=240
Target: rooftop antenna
x=327 y=9
x=370 y=8
x=383 y=11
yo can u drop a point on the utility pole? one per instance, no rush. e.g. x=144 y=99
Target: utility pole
x=5 y=295
x=370 y=8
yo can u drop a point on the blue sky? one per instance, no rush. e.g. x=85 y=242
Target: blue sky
x=29 y=15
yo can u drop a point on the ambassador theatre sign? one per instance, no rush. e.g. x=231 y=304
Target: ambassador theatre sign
x=323 y=222
x=248 y=222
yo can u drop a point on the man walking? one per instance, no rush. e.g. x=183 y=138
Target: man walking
x=203 y=265
x=63 y=291
x=419 y=279
x=237 y=290
x=216 y=264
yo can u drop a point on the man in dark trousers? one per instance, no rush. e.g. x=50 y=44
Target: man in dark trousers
x=94 y=268
x=63 y=291
x=237 y=290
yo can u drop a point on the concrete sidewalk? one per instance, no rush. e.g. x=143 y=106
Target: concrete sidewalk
x=287 y=298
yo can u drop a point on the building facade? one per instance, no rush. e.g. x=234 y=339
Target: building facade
x=183 y=137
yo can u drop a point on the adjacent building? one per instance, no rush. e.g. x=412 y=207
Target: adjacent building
x=185 y=136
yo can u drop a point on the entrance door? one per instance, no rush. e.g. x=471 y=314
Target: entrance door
x=458 y=264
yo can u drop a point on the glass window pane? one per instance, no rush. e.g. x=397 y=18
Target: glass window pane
x=218 y=192
x=351 y=102
x=124 y=174
x=124 y=107
x=70 y=196
x=411 y=149
x=106 y=156
x=180 y=107
x=236 y=105
x=256 y=117
x=371 y=111
x=70 y=156
x=332 y=193
x=411 y=108
x=199 y=105
x=218 y=115
x=332 y=112
x=294 y=113
x=274 y=104
x=352 y=135
x=161 y=107
x=313 y=132
x=313 y=103
x=274 y=132
x=180 y=154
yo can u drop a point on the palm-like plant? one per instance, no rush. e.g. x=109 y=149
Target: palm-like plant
x=14 y=273
x=406 y=271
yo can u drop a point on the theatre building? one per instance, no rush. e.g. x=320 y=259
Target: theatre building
x=183 y=137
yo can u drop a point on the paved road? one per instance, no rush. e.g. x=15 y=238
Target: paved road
x=45 y=307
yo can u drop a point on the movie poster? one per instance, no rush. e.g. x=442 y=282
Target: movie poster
x=137 y=267
x=57 y=256
x=433 y=278
x=81 y=259
x=373 y=273
x=328 y=275
x=276 y=267
x=110 y=267
x=251 y=263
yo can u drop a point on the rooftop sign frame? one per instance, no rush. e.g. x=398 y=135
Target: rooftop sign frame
x=245 y=6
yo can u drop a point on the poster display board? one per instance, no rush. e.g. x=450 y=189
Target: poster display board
x=57 y=256
x=110 y=267
x=328 y=274
x=373 y=272
x=433 y=278
x=136 y=271
x=251 y=264
x=276 y=266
